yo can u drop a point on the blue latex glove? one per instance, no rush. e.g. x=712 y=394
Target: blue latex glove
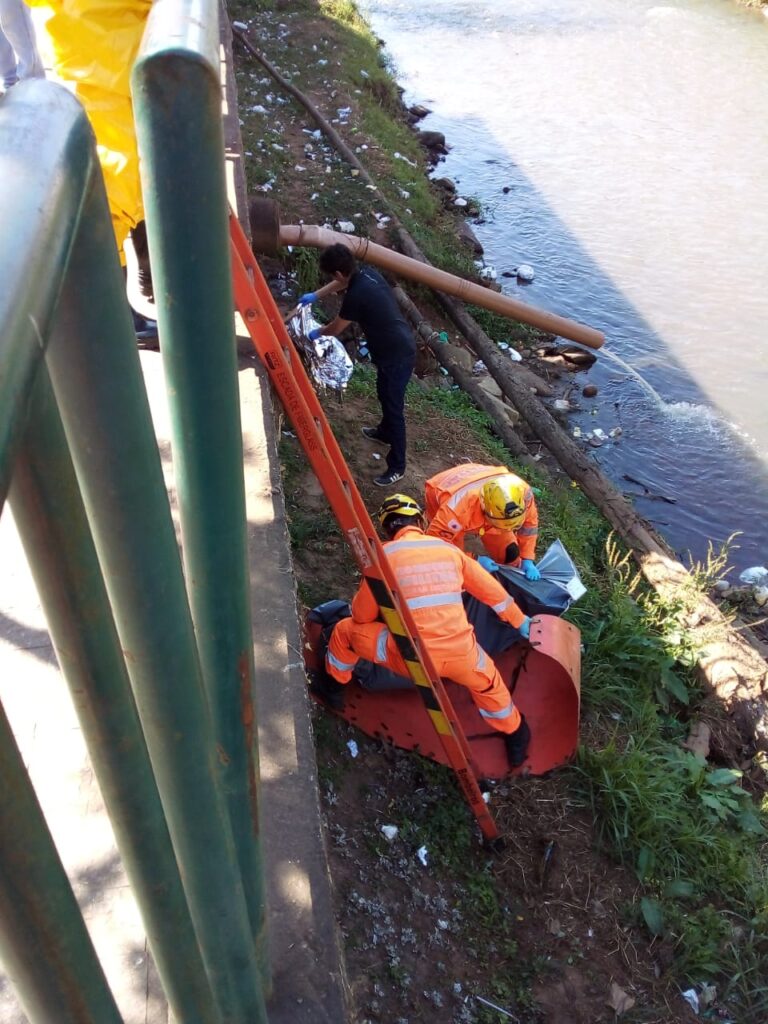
x=525 y=628
x=530 y=570
x=308 y=298
x=315 y=333
x=487 y=563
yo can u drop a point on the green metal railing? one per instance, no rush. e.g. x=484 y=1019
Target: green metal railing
x=160 y=666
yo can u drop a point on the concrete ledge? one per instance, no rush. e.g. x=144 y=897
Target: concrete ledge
x=309 y=986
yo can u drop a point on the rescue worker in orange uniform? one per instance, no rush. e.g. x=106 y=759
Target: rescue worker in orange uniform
x=432 y=575
x=489 y=501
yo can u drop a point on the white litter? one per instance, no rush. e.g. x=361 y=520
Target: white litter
x=389 y=832
x=344 y=111
x=488 y=273
x=514 y=355
x=479 y=368
x=461 y=202
x=240 y=25
x=352 y=748
x=525 y=272
x=258 y=109
x=364 y=74
x=443 y=925
x=421 y=853
x=347 y=227
x=757 y=576
x=562 y=404
x=692 y=999
x=376 y=456
x=399 y=156
x=486 y=797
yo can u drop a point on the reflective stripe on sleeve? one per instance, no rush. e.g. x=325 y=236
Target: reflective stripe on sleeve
x=481 y=659
x=504 y=713
x=340 y=665
x=381 y=646
x=528 y=531
x=434 y=600
x=422 y=542
x=502 y=605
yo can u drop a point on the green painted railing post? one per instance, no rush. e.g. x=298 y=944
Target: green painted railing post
x=110 y=434
x=57 y=540
x=177 y=100
x=46 y=161
x=44 y=943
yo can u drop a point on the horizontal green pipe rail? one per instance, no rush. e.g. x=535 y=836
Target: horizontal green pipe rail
x=177 y=102
x=110 y=434
x=47 y=161
x=44 y=943
x=51 y=520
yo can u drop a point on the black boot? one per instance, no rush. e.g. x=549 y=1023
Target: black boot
x=517 y=743
x=327 y=689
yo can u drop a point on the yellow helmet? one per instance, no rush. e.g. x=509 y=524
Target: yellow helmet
x=398 y=505
x=505 y=500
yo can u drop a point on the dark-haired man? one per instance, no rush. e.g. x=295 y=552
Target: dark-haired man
x=369 y=302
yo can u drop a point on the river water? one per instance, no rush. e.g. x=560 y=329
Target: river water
x=632 y=139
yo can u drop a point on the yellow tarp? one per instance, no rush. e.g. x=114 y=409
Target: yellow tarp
x=94 y=44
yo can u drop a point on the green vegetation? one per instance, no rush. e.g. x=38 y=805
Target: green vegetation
x=689 y=830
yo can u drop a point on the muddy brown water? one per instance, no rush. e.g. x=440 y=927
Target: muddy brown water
x=620 y=148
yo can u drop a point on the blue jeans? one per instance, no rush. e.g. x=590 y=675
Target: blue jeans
x=391 y=381
x=18 y=50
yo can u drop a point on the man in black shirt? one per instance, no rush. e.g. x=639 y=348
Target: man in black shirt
x=369 y=301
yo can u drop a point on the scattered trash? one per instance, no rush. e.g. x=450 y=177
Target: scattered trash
x=347 y=226
x=240 y=26
x=421 y=853
x=504 y=346
x=344 y=111
x=443 y=337
x=461 y=202
x=757 y=576
x=488 y=274
x=456 y=986
x=389 y=832
x=514 y=355
x=691 y=997
x=258 y=109
x=561 y=404
x=352 y=748
x=486 y=797
x=364 y=74
x=405 y=194
x=698 y=739
x=616 y=432
x=443 y=925
x=620 y=1000
x=525 y=272
x=496 y=1007
x=399 y=156
x=479 y=368
x=376 y=456
x=288 y=433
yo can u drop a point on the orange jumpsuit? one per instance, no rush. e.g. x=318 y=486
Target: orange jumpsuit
x=431 y=575
x=454 y=509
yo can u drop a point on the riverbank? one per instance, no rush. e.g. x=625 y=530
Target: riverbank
x=657 y=881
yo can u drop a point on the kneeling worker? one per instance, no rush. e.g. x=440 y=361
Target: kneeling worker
x=432 y=575
x=489 y=501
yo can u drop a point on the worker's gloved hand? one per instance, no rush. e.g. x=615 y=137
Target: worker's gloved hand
x=308 y=298
x=315 y=333
x=487 y=563
x=530 y=570
x=524 y=629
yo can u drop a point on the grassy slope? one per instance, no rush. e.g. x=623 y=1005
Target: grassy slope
x=685 y=829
